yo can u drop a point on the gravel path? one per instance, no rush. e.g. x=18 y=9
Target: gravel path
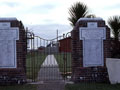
x=50 y=75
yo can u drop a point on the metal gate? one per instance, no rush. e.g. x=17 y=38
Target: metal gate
x=48 y=59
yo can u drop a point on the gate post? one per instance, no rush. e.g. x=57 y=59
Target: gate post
x=13 y=51
x=90 y=48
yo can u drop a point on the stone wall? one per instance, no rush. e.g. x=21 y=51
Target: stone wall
x=18 y=74
x=80 y=73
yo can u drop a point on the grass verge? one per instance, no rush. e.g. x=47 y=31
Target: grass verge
x=64 y=62
x=92 y=86
x=33 y=64
x=19 y=87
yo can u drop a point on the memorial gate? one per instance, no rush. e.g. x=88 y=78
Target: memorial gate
x=90 y=48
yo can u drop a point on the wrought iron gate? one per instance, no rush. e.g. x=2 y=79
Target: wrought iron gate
x=48 y=59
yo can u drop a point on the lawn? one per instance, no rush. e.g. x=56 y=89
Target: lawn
x=92 y=86
x=33 y=64
x=64 y=62
x=19 y=87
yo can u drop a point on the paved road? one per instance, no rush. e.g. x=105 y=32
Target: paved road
x=50 y=75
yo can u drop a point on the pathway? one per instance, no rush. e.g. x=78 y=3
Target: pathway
x=50 y=75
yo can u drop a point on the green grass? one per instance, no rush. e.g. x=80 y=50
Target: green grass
x=92 y=86
x=33 y=64
x=64 y=62
x=19 y=87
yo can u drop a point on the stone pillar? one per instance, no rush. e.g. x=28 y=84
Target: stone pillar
x=90 y=48
x=12 y=51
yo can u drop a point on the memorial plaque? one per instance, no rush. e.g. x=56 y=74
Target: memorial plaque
x=92 y=45
x=4 y=25
x=92 y=24
x=8 y=37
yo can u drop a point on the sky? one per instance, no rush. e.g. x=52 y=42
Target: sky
x=44 y=17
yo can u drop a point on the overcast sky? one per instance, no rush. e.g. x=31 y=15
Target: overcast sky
x=44 y=17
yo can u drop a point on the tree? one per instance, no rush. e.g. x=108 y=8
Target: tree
x=77 y=11
x=114 y=23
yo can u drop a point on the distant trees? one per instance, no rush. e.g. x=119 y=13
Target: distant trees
x=77 y=11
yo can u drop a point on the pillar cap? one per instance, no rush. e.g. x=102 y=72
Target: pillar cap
x=8 y=19
x=89 y=19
